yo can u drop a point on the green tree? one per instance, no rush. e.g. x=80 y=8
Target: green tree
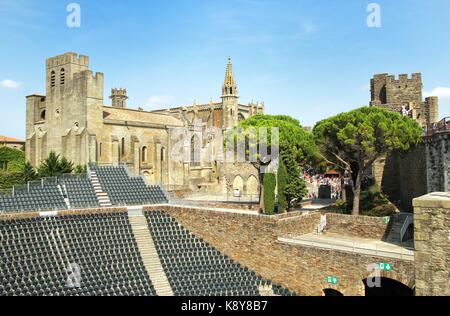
x=80 y=169
x=295 y=189
x=54 y=166
x=65 y=166
x=294 y=141
x=11 y=160
x=269 y=193
x=282 y=178
x=29 y=173
x=356 y=139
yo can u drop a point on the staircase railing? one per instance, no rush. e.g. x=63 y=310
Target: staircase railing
x=408 y=221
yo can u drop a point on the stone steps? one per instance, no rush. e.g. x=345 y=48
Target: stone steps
x=394 y=233
x=149 y=255
x=102 y=196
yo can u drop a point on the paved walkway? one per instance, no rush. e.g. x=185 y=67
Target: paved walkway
x=358 y=245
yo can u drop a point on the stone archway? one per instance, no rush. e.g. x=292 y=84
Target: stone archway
x=409 y=282
x=391 y=279
x=332 y=292
x=252 y=186
x=388 y=287
x=238 y=184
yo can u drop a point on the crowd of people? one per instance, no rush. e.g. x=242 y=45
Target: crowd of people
x=334 y=181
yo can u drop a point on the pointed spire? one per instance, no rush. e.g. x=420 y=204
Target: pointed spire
x=229 y=78
x=229 y=86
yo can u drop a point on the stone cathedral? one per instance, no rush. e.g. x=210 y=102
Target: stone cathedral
x=73 y=120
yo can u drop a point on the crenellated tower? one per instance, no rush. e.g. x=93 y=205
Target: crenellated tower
x=404 y=95
x=230 y=99
x=119 y=98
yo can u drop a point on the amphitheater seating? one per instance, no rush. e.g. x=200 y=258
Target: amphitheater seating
x=80 y=192
x=36 y=253
x=195 y=268
x=38 y=197
x=125 y=190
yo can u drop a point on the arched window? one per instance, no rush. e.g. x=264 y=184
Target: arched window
x=62 y=76
x=123 y=146
x=53 y=79
x=195 y=151
x=231 y=90
x=43 y=115
x=163 y=154
x=144 y=154
x=100 y=149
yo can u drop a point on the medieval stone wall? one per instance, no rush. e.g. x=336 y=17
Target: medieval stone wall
x=423 y=170
x=252 y=241
x=432 y=244
x=357 y=226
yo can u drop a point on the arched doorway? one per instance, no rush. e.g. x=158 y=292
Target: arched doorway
x=332 y=292
x=389 y=287
x=238 y=185
x=252 y=186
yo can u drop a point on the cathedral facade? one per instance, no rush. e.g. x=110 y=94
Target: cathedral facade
x=73 y=120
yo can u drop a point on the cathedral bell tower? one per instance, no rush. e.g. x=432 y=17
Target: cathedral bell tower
x=230 y=99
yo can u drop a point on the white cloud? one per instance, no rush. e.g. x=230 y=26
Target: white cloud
x=441 y=92
x=9 y=84
x=160 y=100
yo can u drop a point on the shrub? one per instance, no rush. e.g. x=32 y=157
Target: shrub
x=282 y=183
x=269 y=193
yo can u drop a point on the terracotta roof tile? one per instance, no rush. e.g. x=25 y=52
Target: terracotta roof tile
x=5 y=139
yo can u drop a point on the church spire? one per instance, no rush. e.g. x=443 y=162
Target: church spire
x=229 y=87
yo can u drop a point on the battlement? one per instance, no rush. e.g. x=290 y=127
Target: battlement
x=119 y=98
x=68 y=58
x=118 y=92
x=404 y=78
x=89 y=74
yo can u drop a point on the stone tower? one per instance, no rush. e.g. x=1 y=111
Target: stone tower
x=404 y=95
x=119 y=98
x=230 y=99
x=61 y=119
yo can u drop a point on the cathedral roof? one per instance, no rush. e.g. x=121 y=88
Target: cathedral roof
x=119 y=114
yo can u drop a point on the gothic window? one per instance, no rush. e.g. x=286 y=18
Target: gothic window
x=163 y=154
x=144 y=154
x=53 y=79
x=100 y=149
x=231 y=90
x=195 y=151
x=43 y=115
x=62 y=76
x=123 y=146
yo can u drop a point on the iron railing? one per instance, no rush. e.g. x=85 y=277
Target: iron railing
x=408 y=221
x=441 y=126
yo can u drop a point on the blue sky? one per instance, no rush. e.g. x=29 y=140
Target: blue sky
x=310 y=59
